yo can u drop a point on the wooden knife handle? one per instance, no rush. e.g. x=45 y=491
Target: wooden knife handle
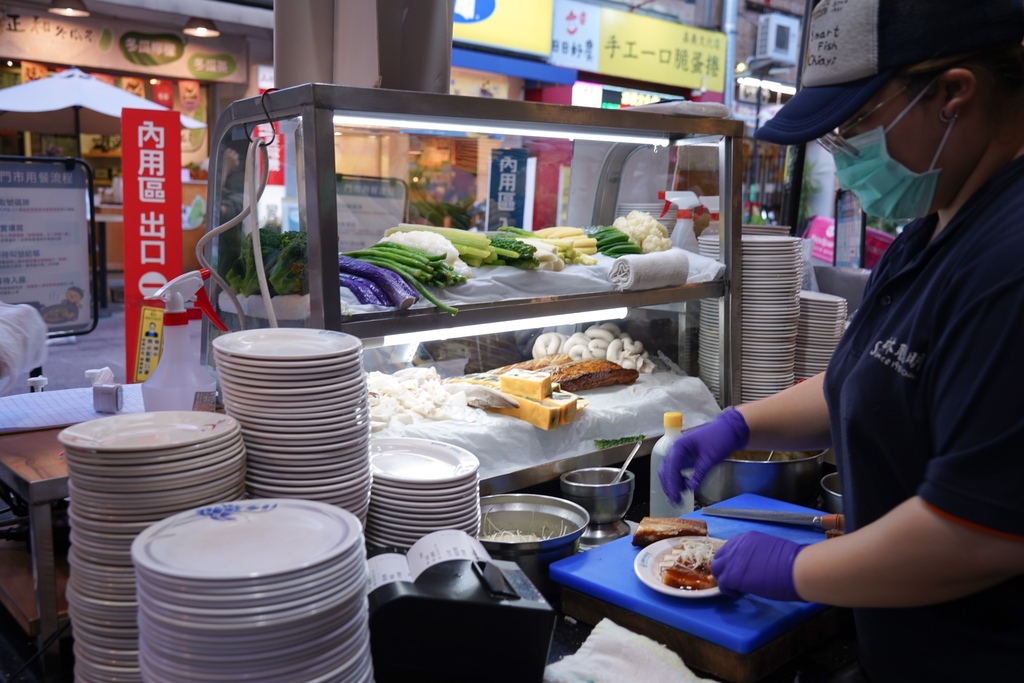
x=831 y=522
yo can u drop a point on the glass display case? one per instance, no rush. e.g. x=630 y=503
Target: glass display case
x=347 y=164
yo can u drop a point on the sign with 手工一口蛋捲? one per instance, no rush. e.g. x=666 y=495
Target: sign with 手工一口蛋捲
x=648 y=49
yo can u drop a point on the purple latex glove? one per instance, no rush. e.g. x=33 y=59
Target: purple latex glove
x=753 y=562
x=700 y=449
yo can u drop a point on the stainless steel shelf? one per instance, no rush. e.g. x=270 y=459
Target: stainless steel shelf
x=538 y=474
x=372 y=326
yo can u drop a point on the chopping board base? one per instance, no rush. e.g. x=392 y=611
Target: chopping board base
x=706 y=656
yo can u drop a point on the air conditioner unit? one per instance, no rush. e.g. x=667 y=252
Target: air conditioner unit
x=778 y=37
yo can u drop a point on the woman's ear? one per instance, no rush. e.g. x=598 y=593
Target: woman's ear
x=957 y=89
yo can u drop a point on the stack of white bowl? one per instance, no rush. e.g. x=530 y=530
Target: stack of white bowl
x=126 y=472
x=822 y=323
x=264 y=590
x=421 y=486
x=301 y=398
x=770 y=310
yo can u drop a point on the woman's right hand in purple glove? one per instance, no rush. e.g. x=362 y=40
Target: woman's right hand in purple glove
x=700 y=449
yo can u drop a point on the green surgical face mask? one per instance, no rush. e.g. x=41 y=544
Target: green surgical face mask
x=885 y=187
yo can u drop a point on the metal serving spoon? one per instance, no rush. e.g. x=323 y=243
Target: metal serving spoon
x=629 y=459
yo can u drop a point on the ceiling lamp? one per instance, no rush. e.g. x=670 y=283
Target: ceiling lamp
x=201 y=28
x=68 y=8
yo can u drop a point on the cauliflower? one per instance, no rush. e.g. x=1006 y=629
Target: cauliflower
x=644 y=231
x=432 y=243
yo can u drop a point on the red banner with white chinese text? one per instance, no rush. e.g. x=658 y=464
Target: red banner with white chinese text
x=151 y=167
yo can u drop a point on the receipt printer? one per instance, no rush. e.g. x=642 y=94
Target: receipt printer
x=461 y=621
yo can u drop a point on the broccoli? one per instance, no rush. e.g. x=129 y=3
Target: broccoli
x=284 y=260
x=287 y=274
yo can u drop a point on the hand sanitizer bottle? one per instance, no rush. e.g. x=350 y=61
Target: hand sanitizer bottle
x=180 y=382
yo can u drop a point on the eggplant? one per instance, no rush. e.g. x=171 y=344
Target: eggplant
x=365 y=291
x=399 y=293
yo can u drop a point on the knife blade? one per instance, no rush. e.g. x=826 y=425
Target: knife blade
x=828 y=522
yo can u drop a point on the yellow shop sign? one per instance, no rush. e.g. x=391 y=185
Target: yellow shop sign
x=514 y=25
x=647 y=49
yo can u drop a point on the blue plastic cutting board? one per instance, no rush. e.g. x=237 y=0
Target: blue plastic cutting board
x=738 y=624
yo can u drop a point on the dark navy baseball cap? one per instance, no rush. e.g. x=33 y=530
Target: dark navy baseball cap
x=855 y=46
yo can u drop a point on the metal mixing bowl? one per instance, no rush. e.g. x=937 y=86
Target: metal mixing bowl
x=560 y=523
x=831 y=494
x=793 y=480
x=592 y=488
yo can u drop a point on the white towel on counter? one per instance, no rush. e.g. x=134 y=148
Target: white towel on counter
x=612 y=654
x=22 y=341
x=667 y=268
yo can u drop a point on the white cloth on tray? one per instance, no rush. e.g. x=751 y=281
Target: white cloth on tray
x=505 y=444
x=613 y=654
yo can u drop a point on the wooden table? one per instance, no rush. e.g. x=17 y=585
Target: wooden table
x=32 y=585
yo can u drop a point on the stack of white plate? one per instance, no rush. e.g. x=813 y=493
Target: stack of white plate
x=126 y=472
x=653 y=208
x=263 y=590
x=822 y=322
x=421 y=486
x=777 y=230
x=300 y=396
x=772 y=275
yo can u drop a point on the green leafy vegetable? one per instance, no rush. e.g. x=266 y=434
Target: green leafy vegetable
x=609 y=443
x=284 y=260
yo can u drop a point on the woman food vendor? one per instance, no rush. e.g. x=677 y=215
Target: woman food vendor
x=920 y=103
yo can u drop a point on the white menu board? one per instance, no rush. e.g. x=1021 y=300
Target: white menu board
x=44 y=241
x=366 y=208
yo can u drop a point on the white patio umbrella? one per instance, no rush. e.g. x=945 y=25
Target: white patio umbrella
x=71 y=102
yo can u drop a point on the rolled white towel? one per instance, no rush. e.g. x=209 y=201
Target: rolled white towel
x=667 y=268
x=22 y=341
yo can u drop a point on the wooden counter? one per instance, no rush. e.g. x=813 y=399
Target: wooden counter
x=32 y=583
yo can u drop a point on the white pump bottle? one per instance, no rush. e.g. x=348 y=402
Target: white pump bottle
x=179 y=381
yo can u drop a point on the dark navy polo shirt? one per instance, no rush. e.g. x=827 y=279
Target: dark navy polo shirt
x=925 y=395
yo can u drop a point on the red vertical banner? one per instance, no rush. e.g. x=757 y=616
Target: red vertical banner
x=275 y=152
x=151 y=167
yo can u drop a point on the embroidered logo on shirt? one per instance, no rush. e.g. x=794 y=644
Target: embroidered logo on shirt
x=899 y=357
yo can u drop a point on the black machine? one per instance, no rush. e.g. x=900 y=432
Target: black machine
x=461 y=621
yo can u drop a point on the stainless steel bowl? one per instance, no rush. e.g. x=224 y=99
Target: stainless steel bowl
x=592 y=488
x=831 y=494
x=560 y=523
x=794 y=480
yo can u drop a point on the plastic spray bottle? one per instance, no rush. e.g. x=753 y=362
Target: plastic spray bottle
x=180 y=382
x=686 y=203
x=660 y=504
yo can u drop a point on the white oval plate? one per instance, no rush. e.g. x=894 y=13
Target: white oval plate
x=143 y=431
x=420 y=461
x=287 y=342
x=646 y=567
x=246 y=539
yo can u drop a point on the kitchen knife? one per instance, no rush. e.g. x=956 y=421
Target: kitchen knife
x=823 y=522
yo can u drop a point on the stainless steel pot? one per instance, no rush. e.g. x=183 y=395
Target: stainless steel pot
x=795 y=480
x=560 y=523
x=831 y=494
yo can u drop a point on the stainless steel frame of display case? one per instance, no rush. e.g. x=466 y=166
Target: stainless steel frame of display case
x=316 y=106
